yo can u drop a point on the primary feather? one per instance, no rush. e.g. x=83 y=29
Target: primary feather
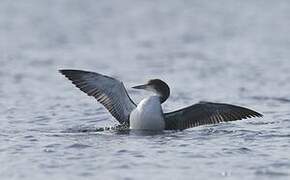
x=108 y=91
x=206 y=113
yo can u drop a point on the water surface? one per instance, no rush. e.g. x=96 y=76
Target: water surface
x=224 y=51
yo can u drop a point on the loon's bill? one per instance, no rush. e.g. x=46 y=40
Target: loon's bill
x=148 y=114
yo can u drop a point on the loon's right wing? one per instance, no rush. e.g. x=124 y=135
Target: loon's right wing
x=206 y=113
x=107 y=90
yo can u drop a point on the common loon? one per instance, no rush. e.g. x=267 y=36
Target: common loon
x=148 y=114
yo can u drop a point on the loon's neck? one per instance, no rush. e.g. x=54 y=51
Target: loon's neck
x=163 y=92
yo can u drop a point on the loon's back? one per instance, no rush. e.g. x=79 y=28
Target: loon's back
x=148 y=115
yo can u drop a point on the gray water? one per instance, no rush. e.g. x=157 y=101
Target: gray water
x=222 y=51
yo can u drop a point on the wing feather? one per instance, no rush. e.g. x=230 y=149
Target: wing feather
x=108 y=91
x=206 y=113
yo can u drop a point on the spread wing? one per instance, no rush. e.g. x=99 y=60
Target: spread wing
x=107 y=90
x=206 y=113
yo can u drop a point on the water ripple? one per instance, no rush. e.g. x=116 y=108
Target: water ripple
x=78 y=146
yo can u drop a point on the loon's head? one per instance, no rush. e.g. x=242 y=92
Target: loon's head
x=157 y=86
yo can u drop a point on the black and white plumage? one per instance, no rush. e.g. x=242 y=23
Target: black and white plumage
x=148 y=114
x=206 y=113
x=108 y=91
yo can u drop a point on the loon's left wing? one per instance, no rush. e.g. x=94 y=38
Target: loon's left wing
x=206 y=113
x=108 y=91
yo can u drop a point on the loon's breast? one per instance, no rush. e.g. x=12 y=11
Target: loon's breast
x=148 y=115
